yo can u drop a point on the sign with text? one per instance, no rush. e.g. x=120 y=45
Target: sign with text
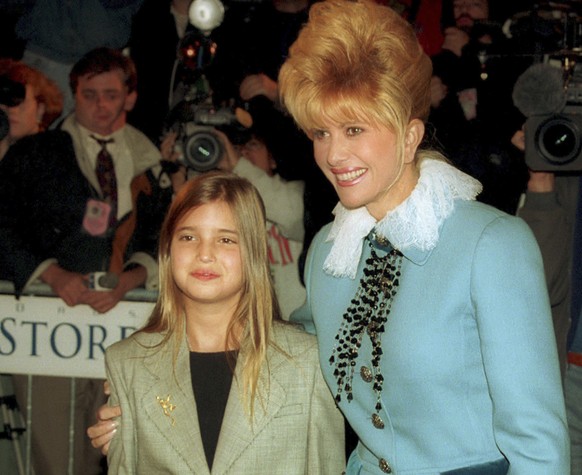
x=43 y=336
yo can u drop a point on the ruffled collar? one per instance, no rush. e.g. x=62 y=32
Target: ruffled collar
x=415 y=223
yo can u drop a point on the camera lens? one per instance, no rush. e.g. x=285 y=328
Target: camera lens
x=12 y=93
x=202 y=151
x=558 y=140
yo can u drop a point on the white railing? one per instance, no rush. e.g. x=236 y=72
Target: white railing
x=41 y=335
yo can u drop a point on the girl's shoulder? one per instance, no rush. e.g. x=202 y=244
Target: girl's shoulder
x=293 y=339
x=137 y=344
x=292 y=352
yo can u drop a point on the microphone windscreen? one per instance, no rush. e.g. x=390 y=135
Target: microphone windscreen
x=539 y=90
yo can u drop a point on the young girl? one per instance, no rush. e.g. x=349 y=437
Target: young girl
x=215 y=383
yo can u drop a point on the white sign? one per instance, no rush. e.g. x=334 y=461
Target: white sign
x=43 y=336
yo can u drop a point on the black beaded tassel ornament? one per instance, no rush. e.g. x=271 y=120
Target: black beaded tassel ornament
x=367 y=313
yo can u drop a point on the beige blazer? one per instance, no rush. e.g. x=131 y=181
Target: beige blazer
x=299 y=431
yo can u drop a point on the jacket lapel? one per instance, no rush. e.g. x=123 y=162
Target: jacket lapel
x=236 y=433
x=170 y=405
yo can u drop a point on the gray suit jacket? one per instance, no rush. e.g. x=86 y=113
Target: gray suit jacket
x=297 y=428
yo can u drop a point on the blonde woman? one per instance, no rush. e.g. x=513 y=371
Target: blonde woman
x=215 y=382
x=431 y=309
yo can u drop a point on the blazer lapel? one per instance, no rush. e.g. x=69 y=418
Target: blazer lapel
x=170 y=405
x=236 y=433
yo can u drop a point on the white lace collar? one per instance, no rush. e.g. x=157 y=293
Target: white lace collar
x=415 y=223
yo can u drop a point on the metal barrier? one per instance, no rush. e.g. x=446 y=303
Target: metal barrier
x=69 y=341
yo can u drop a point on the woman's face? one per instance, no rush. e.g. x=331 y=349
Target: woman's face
x=361 y=162
x=206 y=257
x=24 y=118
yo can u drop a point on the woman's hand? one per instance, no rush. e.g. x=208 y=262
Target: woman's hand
x=103 y=431
x=105 y=428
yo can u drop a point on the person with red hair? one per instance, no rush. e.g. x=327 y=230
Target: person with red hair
x=40 y=105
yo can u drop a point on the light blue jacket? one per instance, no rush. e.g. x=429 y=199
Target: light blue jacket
x=469 y=357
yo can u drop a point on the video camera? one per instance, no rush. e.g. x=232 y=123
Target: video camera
x=12 y=93
x=194 y=117
x=200 y=147
x=554 y=140
x=549 y=92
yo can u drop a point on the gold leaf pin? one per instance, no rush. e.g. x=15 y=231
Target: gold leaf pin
x=167 y=407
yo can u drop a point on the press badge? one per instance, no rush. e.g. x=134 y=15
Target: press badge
x=96 y=219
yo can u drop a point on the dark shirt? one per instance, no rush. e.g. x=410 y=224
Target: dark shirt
x=44 y=200
x=211 y=381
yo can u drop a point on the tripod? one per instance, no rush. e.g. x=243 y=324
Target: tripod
x=10 y=430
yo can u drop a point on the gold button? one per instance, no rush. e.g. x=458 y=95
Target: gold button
x=384 y=466
x=377 y=421
x=366 y=374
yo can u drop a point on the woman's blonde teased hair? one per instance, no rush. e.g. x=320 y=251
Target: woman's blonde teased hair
x=258 y=305
x=356 y=61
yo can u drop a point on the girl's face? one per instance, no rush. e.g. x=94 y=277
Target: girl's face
x=206 y=257
x=24 y=118
x=361 y=162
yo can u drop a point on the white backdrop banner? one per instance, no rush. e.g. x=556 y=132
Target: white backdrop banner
x=41 y=335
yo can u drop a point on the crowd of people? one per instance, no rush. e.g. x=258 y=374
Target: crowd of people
x=436 y=317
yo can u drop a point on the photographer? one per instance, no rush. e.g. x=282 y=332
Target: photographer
x=472 y=112
x=29 y=102
x=553 y=210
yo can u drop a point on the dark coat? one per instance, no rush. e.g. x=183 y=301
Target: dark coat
x=43 y=197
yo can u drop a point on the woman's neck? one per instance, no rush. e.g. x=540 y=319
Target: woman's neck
x=397 y=193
